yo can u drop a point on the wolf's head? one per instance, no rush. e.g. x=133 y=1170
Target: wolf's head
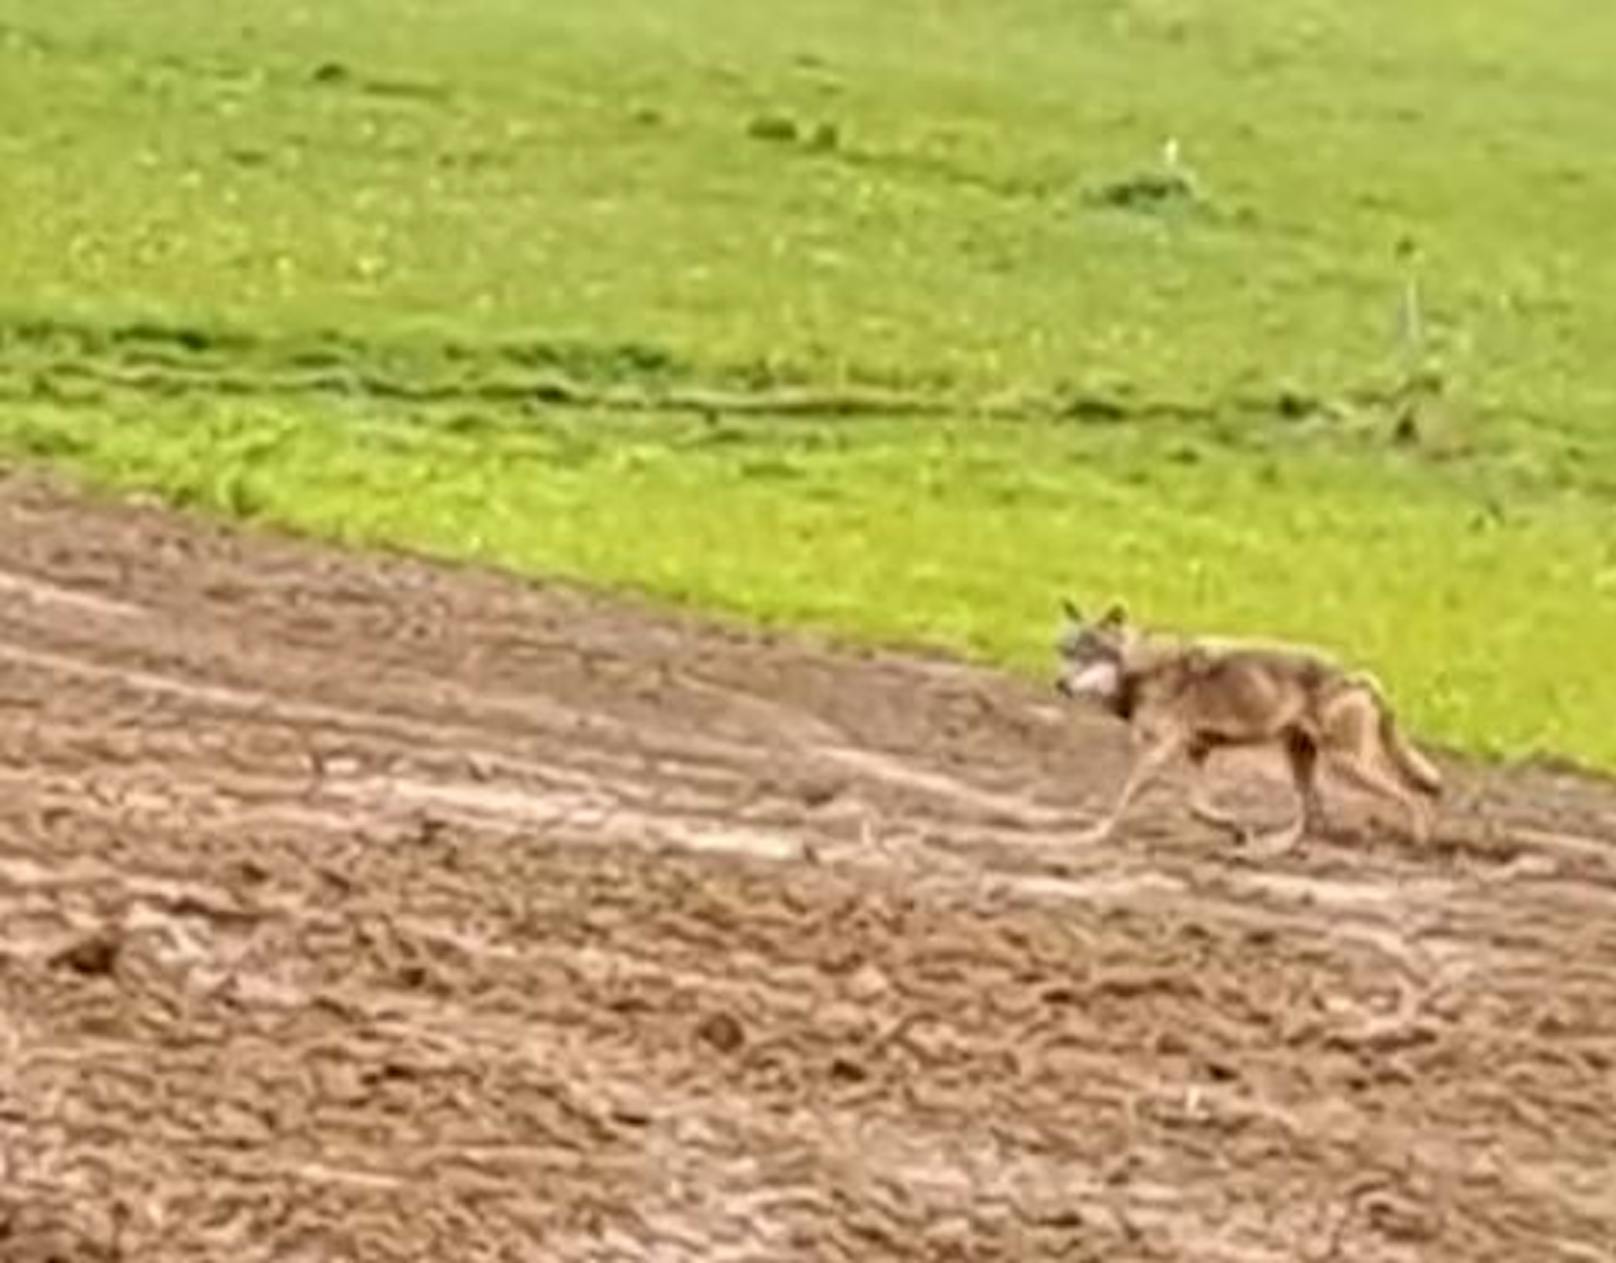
x=1091 y=654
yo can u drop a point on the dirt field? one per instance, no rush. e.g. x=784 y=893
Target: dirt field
x=352 y=908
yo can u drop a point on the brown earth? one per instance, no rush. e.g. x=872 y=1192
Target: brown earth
x=356 y=908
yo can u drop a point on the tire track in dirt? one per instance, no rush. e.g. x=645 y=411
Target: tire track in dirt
x=355 y=907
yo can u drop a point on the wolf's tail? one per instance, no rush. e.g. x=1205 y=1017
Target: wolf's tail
x=1418 y=770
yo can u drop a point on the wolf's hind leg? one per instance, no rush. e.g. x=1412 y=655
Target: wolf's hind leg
x=1361 y=773
x=1302 y=756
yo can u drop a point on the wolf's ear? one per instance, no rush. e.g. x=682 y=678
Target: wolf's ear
x=1116 y=616
x=1071 y=610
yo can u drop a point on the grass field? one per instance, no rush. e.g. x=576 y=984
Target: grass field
x=895 y=320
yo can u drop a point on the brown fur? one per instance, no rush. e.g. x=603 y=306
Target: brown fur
x=1191 y=697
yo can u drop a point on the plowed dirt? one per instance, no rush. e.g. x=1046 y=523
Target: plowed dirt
x=358 y=908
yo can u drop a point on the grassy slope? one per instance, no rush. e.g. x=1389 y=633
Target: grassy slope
x=216 y=227
x=1494 y=631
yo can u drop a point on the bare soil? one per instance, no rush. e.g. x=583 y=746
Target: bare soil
x=361 y=908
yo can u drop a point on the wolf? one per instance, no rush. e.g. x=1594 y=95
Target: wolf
x=1190 y=696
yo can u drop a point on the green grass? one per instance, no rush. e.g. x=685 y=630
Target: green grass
x=1491 y=623
x=466 y=276
x=587 y=172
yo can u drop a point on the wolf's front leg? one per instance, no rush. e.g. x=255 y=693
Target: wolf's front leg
x=1156 y=755
x=1202 y=807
